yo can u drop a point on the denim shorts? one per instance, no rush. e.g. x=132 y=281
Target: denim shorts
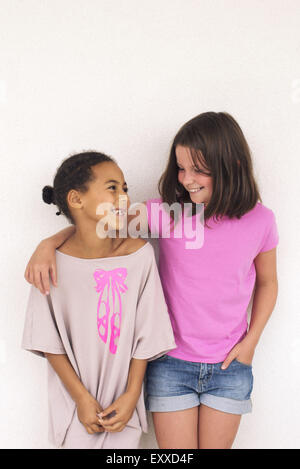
x=173 y=384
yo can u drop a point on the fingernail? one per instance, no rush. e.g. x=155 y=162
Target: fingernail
x=47 y=293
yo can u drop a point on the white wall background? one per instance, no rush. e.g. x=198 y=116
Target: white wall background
x=122 y=77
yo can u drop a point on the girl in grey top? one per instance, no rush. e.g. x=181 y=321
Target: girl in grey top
x=105 y=320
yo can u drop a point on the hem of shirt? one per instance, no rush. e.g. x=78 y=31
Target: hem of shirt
x=197 y=359
x=157 y=354
x=41 y=350
x=269 y=248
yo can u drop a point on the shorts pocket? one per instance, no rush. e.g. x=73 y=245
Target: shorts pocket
x=243 y=364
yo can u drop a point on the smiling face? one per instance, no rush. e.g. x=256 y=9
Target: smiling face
x=109 y=187
x=196 y=180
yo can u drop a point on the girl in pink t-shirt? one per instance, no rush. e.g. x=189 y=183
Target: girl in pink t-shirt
x=198 y=391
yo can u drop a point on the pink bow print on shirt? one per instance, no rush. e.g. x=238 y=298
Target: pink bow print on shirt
x=110 y=281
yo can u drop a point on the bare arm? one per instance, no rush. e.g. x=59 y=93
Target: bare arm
x=265 y=296
x=264 y=300
x=87 y=406
x=136 y=376
x=43 y=261
x=59 y=238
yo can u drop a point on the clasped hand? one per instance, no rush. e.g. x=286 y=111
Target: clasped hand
x=95 y=419
x=122 y=410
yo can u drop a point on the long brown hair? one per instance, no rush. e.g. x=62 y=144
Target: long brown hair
x=216 y=141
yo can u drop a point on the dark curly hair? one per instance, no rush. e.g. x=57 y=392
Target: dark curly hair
x=75 y=173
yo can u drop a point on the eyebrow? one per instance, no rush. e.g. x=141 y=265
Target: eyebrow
x=115 y=182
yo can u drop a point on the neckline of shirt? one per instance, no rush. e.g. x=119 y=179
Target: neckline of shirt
x=103 y=258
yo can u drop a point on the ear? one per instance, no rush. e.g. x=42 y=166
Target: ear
x=74 y=199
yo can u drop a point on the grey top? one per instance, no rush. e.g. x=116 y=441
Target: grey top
x=104 y=312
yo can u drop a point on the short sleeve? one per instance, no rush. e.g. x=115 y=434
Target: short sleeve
x=271 y=238
x=153 y=336
x=40 y=332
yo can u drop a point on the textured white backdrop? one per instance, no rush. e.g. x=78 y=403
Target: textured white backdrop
x=121 y=77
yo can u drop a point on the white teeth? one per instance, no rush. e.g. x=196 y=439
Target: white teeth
x=118 y=211
x=196 y=190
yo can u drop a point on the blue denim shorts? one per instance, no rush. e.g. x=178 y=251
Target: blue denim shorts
x=173 y=384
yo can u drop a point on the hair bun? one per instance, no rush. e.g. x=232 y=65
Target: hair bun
x=48 y=195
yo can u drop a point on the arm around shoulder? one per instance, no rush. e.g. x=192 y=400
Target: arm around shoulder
x=43 y=261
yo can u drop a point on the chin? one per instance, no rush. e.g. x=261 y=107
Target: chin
x=197 y=200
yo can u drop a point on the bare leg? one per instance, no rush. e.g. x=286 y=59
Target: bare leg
x=217 y=430
x=178 y=429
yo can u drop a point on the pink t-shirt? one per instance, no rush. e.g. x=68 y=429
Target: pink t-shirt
x=208 y=289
